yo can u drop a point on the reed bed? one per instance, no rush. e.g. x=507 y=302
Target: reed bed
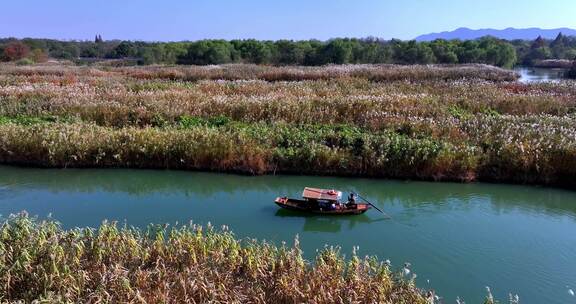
x=429 y=122
x=373 y=72
x=40 y=261
x=122 y=102
x=526 y=150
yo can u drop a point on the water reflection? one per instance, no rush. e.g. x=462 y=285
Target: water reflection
x=331 y=224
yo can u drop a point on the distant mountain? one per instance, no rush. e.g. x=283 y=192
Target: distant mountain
x=508 y=34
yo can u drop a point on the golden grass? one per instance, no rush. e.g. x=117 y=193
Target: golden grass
x=39 y=261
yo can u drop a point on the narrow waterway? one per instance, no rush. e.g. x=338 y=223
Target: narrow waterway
x=531 y=74
x=459 y=238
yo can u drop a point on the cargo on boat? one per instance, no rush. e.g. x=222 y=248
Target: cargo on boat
x=323 y=201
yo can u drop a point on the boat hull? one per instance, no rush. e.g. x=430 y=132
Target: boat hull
x=310 y=207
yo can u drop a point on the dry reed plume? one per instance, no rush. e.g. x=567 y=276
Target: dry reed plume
x=39 y=261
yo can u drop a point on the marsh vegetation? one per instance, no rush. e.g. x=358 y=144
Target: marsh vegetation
x=462 y=123
x=184 y=264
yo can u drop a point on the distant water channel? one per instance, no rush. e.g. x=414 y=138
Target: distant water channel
x=458 y=237
x=530 y=74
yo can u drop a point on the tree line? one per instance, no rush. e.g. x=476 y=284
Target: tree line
x=486 y=50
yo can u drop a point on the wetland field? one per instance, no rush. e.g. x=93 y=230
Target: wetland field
x=441 y=148
x=441 y=123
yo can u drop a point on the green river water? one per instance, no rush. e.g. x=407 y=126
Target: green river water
x=459 y=238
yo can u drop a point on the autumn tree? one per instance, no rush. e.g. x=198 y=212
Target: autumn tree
x=39 y=56
x=16 y=50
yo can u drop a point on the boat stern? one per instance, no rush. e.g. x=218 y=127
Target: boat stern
x=281 y=201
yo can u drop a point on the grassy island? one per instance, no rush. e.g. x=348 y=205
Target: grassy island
x=443 y=122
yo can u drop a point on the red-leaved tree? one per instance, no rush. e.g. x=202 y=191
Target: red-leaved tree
x=16 y=50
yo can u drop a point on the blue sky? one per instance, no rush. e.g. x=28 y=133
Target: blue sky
x=172 y=20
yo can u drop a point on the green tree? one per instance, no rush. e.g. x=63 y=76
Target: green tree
x=498 y=52
x=208 y=52
x=536 y=54
x=444 y=51
x=125 y=49
x=412 y=52
x=338 y=51
x=253 y=51
x=559 y=47
x=538 y=43
x=290 y=52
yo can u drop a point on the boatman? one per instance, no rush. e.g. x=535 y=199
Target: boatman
x=351 y=200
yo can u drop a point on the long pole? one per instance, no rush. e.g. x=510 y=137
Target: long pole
x=372 y=205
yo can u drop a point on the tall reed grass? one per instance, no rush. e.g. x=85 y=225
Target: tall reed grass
x=427 y=122
x=40 y=261
x=373 y=72
x=545 y=155
x=122 y=102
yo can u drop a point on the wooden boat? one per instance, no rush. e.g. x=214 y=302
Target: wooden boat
x=322 y=201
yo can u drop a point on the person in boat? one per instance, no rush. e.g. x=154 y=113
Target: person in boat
x=325 y=205
x=351 y=200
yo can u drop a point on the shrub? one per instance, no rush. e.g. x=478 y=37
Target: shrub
x=38 y=56
x=25 y=61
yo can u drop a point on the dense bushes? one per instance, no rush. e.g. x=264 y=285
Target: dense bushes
x=312 y=52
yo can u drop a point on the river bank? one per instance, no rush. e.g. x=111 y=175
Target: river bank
x=554 y=64
x=313 y=150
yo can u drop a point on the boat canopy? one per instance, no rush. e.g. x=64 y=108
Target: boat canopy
x=322 y=194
